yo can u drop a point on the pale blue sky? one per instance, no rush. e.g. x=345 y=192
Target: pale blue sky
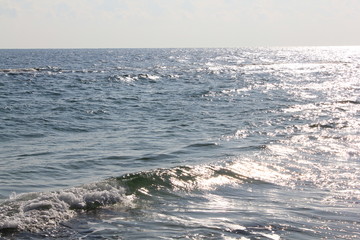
x=177 y=23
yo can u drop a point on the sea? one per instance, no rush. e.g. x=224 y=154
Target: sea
x=222 y=143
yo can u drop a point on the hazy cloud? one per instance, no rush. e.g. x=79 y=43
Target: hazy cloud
x=7 y=11
x=178 y=23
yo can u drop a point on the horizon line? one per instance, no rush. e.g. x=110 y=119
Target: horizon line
x=272 y=46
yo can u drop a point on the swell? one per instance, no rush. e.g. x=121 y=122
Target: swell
x=183 y=178
x=37 y=212
x=112 y=74
x=13 y=71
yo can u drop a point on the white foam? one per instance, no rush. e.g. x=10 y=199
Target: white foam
x=9 y=223
x=39 y=211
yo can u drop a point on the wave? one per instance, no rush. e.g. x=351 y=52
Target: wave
x=55 y=69
x=31 y=70
x=47 y=69
x=349 y=101
x=184 y=178
x=37 y=212
x=132 y=77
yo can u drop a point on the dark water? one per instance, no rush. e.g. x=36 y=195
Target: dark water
x=258 y=143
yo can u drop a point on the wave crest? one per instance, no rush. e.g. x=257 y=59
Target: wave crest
x=35 y=212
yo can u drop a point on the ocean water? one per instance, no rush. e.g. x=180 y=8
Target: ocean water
x=248 y=143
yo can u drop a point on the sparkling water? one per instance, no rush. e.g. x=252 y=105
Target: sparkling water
x=249 y=143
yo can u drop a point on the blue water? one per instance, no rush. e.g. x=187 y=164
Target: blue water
x=249 y=143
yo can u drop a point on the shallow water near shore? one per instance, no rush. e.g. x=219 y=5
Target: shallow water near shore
x=248 y=143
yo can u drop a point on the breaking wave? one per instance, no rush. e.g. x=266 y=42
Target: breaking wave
x=36 y=212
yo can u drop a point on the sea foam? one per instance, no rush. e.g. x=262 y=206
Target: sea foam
x=36 y=212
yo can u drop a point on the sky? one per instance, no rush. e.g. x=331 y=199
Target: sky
x=178 y=23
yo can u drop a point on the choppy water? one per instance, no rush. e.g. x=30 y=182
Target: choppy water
x=258 y=143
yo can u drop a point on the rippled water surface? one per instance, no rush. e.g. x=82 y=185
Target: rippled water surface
x=252 y=143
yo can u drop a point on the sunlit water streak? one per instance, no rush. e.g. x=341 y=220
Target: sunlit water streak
x=258 y=143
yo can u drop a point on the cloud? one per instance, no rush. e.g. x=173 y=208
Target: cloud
x=112 y=5
x=14 y=8
x=7 y=11
x=159 y=23
x=63 y=10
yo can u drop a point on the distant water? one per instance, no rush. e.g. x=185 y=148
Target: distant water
x=251 y=143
